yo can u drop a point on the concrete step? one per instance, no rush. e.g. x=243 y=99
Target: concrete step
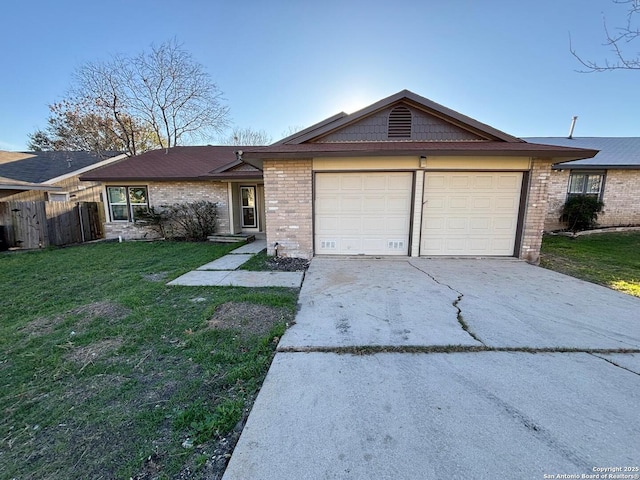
x=231 y=238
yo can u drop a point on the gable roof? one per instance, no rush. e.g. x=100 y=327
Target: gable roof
x=405 y=97
x=614 y=152
x=449 y=133
x=48 y=167
x=178 y=163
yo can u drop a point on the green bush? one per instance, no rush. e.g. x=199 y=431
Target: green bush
x=580 y=212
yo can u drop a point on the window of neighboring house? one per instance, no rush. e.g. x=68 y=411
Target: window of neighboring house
x=58 y=196
x=126 y=203
x=586 y=183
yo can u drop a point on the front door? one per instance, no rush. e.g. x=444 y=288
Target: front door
x=249 y=215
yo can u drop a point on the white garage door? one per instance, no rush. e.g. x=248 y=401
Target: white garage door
x=470 y=213
x=363 y=213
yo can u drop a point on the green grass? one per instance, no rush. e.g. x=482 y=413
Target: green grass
x=257 y=263
x=610 y=259
x=106 y=370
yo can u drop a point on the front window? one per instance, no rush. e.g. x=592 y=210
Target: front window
x=586 y=183
x=127 y=203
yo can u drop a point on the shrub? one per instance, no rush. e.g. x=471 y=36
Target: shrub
x=189 y=221
x=581 y=212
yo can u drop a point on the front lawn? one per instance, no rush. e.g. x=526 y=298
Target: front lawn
x=610 y=259
x=106 y=372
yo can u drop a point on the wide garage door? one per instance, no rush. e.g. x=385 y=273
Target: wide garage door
x=364 y=213
x=470 y=213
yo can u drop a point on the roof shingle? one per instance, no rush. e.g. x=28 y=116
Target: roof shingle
x=176 y=163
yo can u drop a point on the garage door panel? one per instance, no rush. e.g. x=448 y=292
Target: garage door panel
x=350 y=183
x=460 y=181
x=483 y=182
x=375 y=183
x=469 y=213
x=509 y=181
x=456 y=224
x=480 y=224
x=507 y=203
x=372 y=211
x=459 y=203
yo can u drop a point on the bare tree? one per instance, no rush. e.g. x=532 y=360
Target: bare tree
x=291 y=129
x=621 y=41
x=247 y=136
x=157 y=99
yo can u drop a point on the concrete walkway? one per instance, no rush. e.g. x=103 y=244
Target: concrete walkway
x=223 y=272
x=457 y=369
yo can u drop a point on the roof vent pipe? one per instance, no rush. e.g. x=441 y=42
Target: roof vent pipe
x=573 y=125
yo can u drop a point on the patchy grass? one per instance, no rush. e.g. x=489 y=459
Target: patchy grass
x=107 y=371
x=258 y=263
x=609 y=259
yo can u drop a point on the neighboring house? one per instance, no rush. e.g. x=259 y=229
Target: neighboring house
x=10 y=187
x=404 y=176
x=180 y=175
x=55 y=173
x=613 y=176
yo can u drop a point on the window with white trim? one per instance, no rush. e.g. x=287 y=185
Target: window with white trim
x=127 y=203
x=586 y=183
x=58 y=196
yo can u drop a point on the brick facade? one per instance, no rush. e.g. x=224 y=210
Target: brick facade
x=621 y=199
x=289 y=210
x=168 y=193
x=535 y=210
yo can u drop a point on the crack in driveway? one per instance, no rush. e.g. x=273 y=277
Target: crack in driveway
x=614 y=363
x=375 y=349
x=456 y=304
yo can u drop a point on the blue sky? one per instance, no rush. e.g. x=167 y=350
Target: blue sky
x=283 y=63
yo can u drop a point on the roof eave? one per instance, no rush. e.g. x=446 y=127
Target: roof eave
x=594 y=166
x=252 y=158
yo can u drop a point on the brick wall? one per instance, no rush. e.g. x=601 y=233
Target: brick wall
x=536 y=210
x=168 y=193
x=558 y=184
x=621 y=199
x=289 y=212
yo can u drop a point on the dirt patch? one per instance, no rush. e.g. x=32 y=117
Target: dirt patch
x=42 y=326
x=95 y=351
x=112 y=312
x=80 y=391
x=250 y=318
x=156 y=277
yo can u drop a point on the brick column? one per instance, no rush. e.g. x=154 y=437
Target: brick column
x=289 y=207
x=536 y=210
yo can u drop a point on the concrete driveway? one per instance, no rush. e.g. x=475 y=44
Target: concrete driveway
x=423 y=368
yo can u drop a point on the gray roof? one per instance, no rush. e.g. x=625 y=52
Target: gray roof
x=614 y=152
x=40 y=167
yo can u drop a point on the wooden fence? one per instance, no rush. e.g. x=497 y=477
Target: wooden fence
x=40 y=224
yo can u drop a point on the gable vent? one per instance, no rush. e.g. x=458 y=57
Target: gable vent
x=399 y=123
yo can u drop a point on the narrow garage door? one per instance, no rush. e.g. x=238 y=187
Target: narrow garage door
x=470 y=213
x=363 y=213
